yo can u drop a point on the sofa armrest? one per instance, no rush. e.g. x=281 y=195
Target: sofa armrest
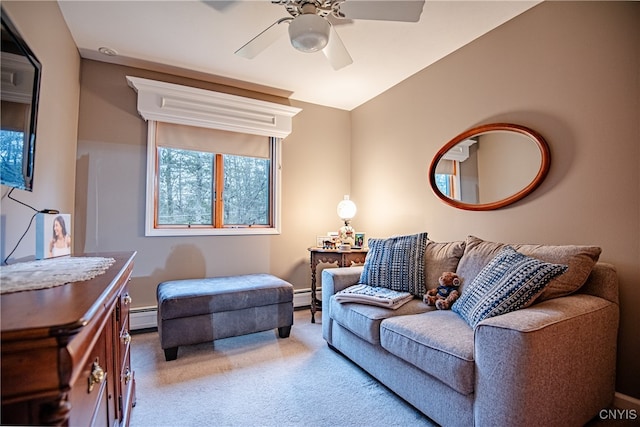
x=550 y=364
x=602 y=282
x=335 y=280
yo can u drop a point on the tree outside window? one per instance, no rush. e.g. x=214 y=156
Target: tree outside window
x=188 y=190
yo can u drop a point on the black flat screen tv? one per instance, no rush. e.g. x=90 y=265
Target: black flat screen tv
x=19 y=96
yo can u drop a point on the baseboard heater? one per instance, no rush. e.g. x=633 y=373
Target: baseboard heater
x=146 y=317
x=143 y=318
x=302 y=297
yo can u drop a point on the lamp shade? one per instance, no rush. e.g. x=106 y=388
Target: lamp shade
x=309 y=32
x=346 y=209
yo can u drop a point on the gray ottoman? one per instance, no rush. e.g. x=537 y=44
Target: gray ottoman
x=194 y=311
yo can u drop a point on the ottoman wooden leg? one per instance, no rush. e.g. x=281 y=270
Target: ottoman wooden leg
x=284 y=331
x=171 y=353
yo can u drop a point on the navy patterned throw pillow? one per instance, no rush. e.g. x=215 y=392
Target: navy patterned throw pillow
x=396 y=263
x=510 y=281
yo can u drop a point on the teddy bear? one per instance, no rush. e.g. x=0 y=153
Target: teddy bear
x=446 y=294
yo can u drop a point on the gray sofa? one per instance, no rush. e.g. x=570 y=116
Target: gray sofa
x=551 y=363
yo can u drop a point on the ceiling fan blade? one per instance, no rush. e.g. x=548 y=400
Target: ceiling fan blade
x=390 y=10
x=262 y=40
x=335 y=51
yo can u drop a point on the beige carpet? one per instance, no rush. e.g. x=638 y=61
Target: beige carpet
x=261 y=380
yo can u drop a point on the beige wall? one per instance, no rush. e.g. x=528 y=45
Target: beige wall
x=110 y=190
x=43 y=28
x=507 y=163
x=569 y=71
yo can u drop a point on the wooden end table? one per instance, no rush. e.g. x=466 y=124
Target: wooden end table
x=331 y=256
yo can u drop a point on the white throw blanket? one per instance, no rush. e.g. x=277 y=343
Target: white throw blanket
x=373 y=295
x=47 y=273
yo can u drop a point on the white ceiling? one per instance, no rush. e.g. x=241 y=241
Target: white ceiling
x=202 y=36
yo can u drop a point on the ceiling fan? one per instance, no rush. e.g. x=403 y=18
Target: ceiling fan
x=310 y=29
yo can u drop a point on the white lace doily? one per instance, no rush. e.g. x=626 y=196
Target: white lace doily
x=48 y=273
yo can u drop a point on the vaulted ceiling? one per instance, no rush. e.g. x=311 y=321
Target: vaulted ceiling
x=202 y=36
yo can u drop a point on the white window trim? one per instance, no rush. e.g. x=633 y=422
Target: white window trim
x=160 y=101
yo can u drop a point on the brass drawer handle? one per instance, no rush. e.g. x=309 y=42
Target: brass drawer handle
x=97 y=374
x=126 y=299
x=126 y=337
x=127 y=376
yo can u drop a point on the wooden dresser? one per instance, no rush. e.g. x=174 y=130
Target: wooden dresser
x=65 y=352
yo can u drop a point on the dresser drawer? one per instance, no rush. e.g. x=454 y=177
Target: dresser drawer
x=124 y=341
x=62 y=360
x=124 y=304
x=125 y=380
x=89 y=394
x=127 y=386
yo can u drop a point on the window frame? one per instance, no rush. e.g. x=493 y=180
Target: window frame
x=152 y=228
x=454 y=181
x=159 y=101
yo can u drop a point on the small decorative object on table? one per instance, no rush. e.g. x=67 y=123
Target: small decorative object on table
x=53 y=235
x=326 y=242
x=346 y=211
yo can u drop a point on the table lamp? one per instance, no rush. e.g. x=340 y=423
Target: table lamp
x=346 y=211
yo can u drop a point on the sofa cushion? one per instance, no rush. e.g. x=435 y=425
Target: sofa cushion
x=364 y=320
x=580 y=259
x=396 y=263
x=509 y=282
x=440 y=257
x=439 y=343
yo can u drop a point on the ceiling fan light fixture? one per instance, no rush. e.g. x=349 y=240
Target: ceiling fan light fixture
x=309 y=32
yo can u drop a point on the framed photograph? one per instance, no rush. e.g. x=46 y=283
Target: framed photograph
x=360 y=240
x=53 y=235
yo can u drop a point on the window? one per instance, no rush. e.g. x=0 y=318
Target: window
x=184 y=188
x=444 y=182
x=187 y=189
x=448 y=178
x=210 y=181
x=217 y=156
x=246 y=190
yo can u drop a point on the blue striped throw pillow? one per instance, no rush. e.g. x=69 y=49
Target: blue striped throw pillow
x=510 y=281
x=396 y=263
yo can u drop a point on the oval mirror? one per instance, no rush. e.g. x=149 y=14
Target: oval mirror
x=489 y=167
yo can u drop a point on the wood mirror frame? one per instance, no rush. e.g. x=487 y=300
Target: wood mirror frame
x=545 y=161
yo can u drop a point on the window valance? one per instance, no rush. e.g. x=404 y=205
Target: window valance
x=172 y=103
